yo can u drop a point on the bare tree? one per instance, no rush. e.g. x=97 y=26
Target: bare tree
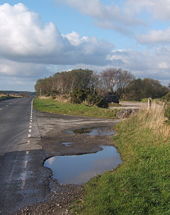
x=108 y=79
x=115 y=80
x=123 y=80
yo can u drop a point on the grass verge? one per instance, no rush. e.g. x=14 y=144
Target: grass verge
x=52 y=106
x=141 y=185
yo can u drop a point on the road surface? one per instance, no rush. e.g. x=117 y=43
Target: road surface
x=27 y=138
x=20 y=157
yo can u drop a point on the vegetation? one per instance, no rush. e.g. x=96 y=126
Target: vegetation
x=166 y=99
x=100 y=89
x=141 y=185
x=52 y=106
x=85 y=85
x=139 y=89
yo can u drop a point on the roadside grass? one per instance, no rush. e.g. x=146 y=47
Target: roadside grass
x=141 y=185
x=53 y=106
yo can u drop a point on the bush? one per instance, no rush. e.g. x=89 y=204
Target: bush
x=102 y=103
x=145 y=88
x=95 y=99
x=78 y=96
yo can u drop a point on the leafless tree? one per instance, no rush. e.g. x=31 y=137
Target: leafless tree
x=115 y=80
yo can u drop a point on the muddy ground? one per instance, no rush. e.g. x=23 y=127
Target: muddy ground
x=53 y=131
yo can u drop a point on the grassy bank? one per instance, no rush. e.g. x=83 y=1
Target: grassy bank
x=141 y=185
x=52 y=106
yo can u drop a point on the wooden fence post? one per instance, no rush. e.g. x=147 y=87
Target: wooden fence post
x=149 y=103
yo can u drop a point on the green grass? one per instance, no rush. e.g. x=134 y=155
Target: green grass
x=52 y=106
x=141 y=185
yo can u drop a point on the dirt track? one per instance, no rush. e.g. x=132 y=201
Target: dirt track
x=131 y=105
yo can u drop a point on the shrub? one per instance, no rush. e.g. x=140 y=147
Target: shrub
x=167 y=97
x=102 y=103
x=93 y=99
x=145 y=88
x=98 y=100
x=78 y=96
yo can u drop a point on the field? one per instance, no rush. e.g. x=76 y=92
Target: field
x=52 y=106
x=141 y=185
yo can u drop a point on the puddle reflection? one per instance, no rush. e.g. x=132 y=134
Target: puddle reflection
x=78 y=169
x=101 y=131
x=67 y=144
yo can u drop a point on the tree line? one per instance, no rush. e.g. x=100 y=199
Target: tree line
x=99 y=88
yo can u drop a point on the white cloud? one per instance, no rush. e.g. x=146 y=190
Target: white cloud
x=163 y=65
x=21 y=33
x=154 y=64
x=19 y=69
x=155 y=37
x=24 y=38
x=21 y=76
x=75 y=39
x=106 y=16
x=28 y=47
x=158 y=9
x=123 y=17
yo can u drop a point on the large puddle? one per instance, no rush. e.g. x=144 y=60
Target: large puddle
x=78 y=169
x=101 y=131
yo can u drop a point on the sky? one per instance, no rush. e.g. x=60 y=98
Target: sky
x=42 y=37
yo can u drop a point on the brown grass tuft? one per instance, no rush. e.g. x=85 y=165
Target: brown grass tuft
x=63 y=98
x=154 y=118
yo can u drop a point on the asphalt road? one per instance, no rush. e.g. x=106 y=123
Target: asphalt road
x=20 y=157
x=14 y=122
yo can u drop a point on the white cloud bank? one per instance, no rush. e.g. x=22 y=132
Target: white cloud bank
x=156 y=37
x=24 y=38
